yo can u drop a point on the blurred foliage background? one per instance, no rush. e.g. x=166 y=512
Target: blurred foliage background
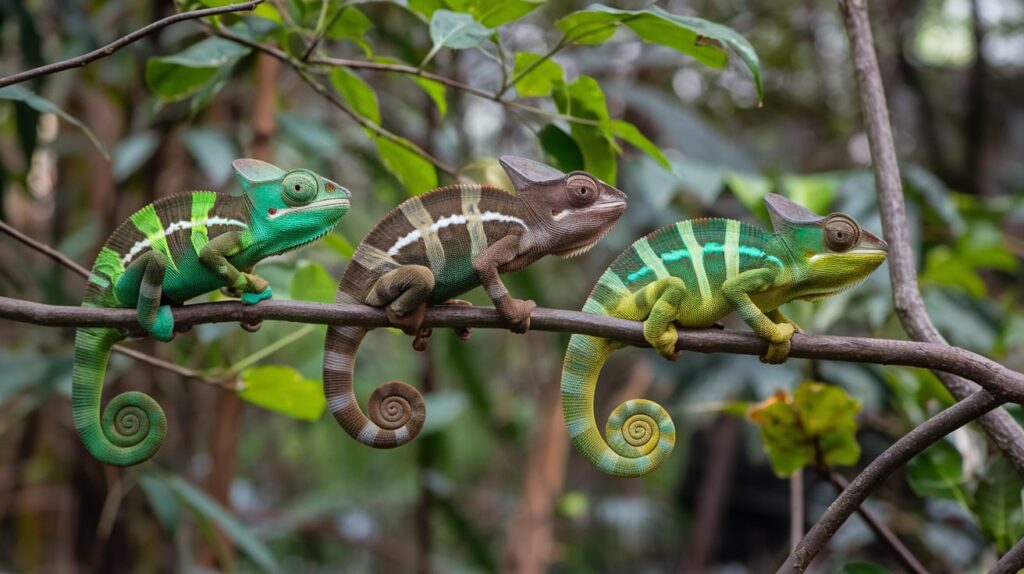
x=269 y=483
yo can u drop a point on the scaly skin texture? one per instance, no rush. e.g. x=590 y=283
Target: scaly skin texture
x=438 y=245
x=691 y=274
x=170 y=251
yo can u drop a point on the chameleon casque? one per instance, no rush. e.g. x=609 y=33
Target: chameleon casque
x=691 y=274
x=436 y=246
x=174 y=249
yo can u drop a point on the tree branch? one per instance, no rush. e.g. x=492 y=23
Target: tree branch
x=999 y=425
x=122 y=42
x=1011 y=562
x=910 y=562
x=999 y=380
x=885 y=464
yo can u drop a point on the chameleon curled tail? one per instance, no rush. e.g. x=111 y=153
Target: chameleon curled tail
x=640 y=433
x=396 y=409
x=132 y=426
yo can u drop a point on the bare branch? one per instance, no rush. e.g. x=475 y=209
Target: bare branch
x=884 y=465
x=44 y=249
x=1011 y=562
x=123 y=41
x=999 y=425
x=1001 y=381
x=910 y=562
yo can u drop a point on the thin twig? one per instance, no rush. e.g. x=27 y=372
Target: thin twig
x=796 y=509
x=1001 y=381
x=122 y=42
x=44 y=249
x=1005 y=432
x=882 y=531
x=1011 y=562
x=850 y=499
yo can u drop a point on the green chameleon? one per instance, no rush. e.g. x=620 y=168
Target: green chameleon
x=174 y=249
x=691 y=274
x=436 y=246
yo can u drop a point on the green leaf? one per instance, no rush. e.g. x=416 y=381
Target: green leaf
x=313 y=283
x=789 y=448
x=349 y=23
x=541 y=79
x=357 y=93
x=456 y=30
x=585 y=99
x=179 y=76
x=863 y=568
x=703 y=40
x=493 y=14
x=630 y=133
x=560 y=146
x=206 y=508
x=828 y=415
x=416 y=174
x=284 y=390
x=40 y=104
x=339 y=245
x=944 y=267
x=750 y=189
x=815 y=192
x=437 y=92
x=938 y=472
x=998 y=504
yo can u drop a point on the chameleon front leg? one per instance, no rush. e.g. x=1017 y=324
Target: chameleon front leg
x=515 y=311
x=214 y=256
x=737 y=291
x=143 y=282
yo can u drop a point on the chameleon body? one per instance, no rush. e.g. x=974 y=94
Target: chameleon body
x=691 y=274
x=436 y=246
x=172 y=250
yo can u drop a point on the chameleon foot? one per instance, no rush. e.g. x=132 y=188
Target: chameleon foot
x=517 y=313
x=410 y=322
x=462 y=333
x=251 y=327
x=163 y=328
x=253 y=298
x=778 y=346
x=419 y=343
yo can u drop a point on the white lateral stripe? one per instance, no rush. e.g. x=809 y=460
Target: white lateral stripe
x=650 y=259
x=175 y=227
x=458 y=219
x=731 y=248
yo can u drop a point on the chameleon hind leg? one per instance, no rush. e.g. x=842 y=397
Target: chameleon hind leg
x=404 y=292
x=142 y=282
x=737 y=291
x=657 y=305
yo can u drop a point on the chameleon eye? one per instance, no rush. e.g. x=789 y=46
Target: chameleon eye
x=582 y=189
x=841 y=232
x=298 y=188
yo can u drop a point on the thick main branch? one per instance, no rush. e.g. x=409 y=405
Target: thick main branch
x=1002 y=382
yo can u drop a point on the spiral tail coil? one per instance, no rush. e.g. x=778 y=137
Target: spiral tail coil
x=640 y=433
x=396 y=409
x=132 y=426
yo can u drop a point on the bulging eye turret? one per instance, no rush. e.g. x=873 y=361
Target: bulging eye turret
x=841 y=232
x=582 y=189
x=299 y=188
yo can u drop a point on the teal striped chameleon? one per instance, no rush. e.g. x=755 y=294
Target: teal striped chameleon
x=691 y=274
x=174 y=249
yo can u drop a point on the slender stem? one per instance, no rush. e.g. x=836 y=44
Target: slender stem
x=563 y=42
x=882 y=531
x=318 y=35
x=923 y=436
x=122 y=42
x=1011 y=562
x=270 y=349
x=1004 y=431
x=44 y=249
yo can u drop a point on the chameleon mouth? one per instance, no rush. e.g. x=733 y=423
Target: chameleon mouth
x=336 y=203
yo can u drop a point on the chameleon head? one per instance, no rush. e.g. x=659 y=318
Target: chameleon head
x=831 y=253
x=289 y=208
x=570 y=212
